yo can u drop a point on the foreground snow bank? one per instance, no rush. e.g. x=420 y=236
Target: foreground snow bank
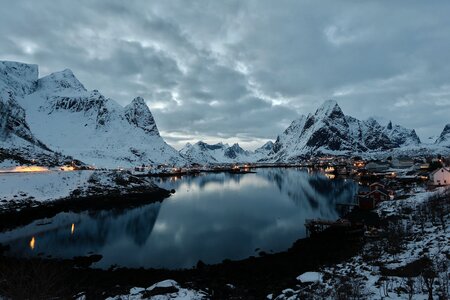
x=36 y=188
x=409 y=261
x=310 y=277
x=167 y=289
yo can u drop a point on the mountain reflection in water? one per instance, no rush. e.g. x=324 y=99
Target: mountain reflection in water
x=211 y=217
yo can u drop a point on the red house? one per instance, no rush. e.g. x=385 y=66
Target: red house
x=376 y=194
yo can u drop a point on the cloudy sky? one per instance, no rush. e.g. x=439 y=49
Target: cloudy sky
x=237 y=70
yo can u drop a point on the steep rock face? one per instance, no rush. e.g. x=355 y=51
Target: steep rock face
x=18 y=143
x=401 y=136
x=328 y=127
x=139 y=115
x=235 y=151
x=92 y=105
x=444 y=138
x=330 y=131
x=69 y=119
x=290 y=137
x=16 y=80
x=368 y=135
x=325 y=130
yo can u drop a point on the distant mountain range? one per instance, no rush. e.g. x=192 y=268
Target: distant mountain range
x=54 y=120
x=203 y=153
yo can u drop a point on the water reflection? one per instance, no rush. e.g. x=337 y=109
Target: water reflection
x=32 y=243
x=210 y=218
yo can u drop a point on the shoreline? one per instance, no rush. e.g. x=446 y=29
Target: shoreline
x=26 y=212
x=251 y=278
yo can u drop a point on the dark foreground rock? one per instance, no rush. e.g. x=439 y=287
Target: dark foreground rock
x=252 y=278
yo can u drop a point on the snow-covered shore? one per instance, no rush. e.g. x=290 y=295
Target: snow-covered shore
x=32 y=189
x=410 y=260
x=164 y=290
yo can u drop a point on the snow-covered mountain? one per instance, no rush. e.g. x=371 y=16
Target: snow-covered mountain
x=330 y=131
x=65 y=117
x=18 y=144
x=264 y=150
x=444 y=138
x=204 y=153
x=16 y=80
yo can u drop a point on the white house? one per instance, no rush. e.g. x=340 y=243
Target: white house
x=440 y=176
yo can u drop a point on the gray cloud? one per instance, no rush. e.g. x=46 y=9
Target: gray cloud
x=242 y=70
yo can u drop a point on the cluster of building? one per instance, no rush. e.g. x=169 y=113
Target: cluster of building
x=432 y=170
x=382 y=180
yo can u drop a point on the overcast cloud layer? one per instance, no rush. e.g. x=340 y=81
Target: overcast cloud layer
x=243 y=70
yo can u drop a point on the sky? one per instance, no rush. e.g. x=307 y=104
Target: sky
x=241 y=71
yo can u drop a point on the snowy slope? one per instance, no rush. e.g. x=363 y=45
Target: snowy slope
x=91 y=127
x=330 y=131
x=18 y=144
x=444 y=138
x=401 y=136
x=35 y=188
x=45 y=186
x=263 y=151
x=164 y=290
x=16 y=80
x=387 y=267
x=204 y=153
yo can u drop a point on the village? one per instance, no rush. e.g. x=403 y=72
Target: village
x=378 y=180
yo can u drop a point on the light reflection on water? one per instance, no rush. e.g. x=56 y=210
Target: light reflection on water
x=210 y=218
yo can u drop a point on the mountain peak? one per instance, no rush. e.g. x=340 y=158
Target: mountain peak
x=389 y=125
x=17 y=77
x=139 y=100
x=139 y=115
x=444 y=138
x=61 y=81
x=330 y=131
x=328 y=105
x=266 y=148
x=269 y=144
x=330 y=108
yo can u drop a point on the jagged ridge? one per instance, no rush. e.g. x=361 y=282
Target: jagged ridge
x=84 y=124
x=329 y=130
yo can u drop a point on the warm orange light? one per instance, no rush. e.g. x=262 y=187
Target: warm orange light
x=32 y=243
x=72 y=229
x=329 y=169
x=67 y=168
x=21 y=169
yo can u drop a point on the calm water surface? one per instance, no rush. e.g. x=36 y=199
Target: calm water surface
x=211 y=217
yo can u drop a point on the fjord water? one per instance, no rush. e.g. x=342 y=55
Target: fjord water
x=211 y=217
